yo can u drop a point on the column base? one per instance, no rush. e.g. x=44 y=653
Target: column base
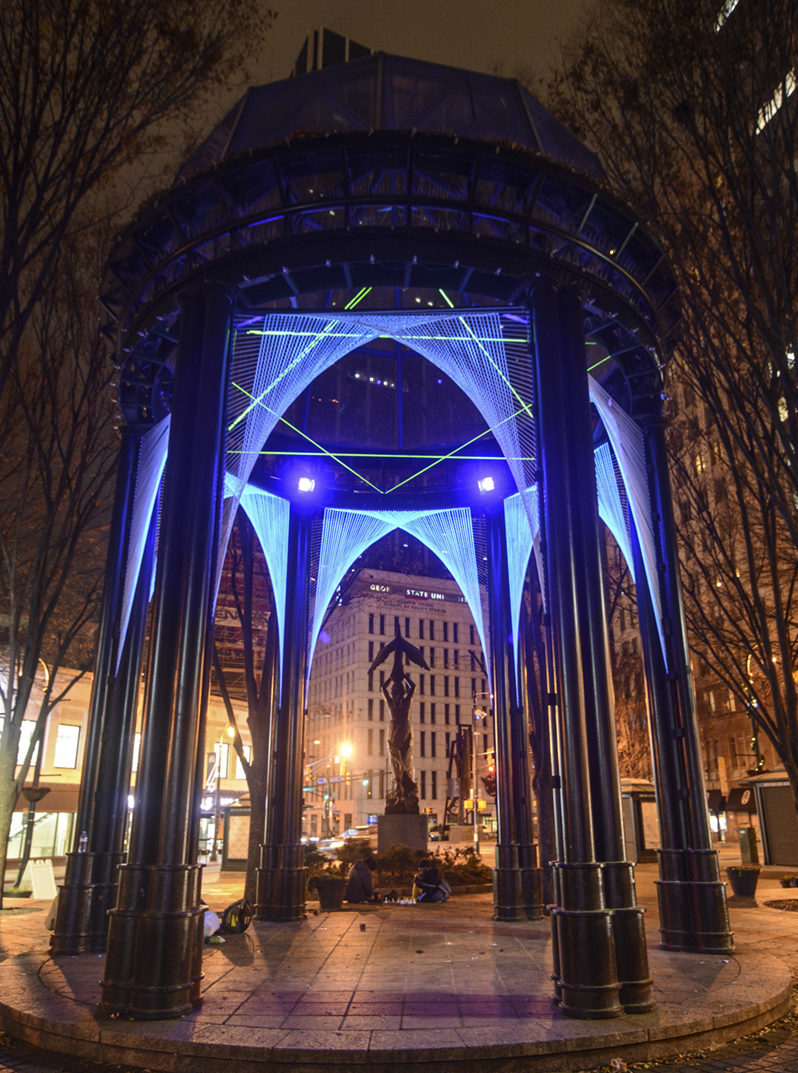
x=587 y=985
x=531 y=881
x=71 y=934
x=631 y=952
x=517 y=884
x=692 y=902
x=153 y=968
x=508 y=901
x=280 y=883
x=88 y=892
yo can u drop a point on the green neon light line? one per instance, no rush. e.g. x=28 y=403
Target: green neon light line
x=382 y=455
x=318 y=446
x=446 y=297
x=590 y=368
x=361 y=294
x=402 y=338
x=524 y=407
x=300 y=357
x=299 y=335
x=276 y=381
x=352 y=301
x=451 y=454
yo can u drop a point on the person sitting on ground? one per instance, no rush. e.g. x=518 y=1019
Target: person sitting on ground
x=429 y=885
x=360 y=885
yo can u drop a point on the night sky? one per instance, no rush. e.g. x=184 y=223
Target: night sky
x=508 y=37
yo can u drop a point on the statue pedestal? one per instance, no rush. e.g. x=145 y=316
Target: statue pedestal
x=402 y=830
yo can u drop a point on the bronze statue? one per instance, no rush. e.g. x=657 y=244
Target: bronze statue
x=398 y=689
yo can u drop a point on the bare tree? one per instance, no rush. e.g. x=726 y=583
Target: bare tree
x=244 y=663
x=631 y=721
x=691 y=105
x=85 y=88
x=56 y=461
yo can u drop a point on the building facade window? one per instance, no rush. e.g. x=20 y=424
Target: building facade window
x=66 y=746
x=240 y=773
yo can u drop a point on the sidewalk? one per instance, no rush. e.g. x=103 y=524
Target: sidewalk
x=443 y=987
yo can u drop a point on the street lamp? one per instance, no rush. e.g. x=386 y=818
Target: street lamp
x=344 y=753
x=479 y=713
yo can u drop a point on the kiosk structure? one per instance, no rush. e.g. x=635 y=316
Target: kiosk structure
x=389 y=294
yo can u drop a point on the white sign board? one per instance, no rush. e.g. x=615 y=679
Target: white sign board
x=42 y=880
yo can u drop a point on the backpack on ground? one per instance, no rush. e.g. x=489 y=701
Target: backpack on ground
x=236 y=918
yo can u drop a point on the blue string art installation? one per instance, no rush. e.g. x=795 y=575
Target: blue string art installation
x=277 y=355
x=151 y=463
x=347 y=533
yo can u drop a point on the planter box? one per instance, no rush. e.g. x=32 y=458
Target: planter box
x=743 y=881
x=331 y=890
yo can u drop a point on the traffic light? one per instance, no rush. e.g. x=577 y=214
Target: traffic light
x=489 y=778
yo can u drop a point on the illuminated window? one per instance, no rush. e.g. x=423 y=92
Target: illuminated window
x=239 y=768
x=66 y=746
x=26 y=733
x=222 y=750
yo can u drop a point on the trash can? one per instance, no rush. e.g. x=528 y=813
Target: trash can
x=748 y=850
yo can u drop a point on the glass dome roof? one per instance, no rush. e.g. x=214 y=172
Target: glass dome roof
x=384 y=92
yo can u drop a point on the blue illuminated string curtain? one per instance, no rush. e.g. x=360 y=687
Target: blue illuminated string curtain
x=152 y=459
x=277 y=356
x=471 y=349
x=628 y=445
x=347 y=533
x=520 y=542
x=274 y=359
x=270 y=517
x=611 y=509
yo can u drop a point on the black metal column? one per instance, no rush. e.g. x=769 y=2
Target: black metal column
x=282 y=875
x=586 y=976
x=154 y=956
x=605 y=784
x=692 y=897
x=516 y=877
x=89 y=869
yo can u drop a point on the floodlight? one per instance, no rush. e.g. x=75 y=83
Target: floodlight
x=306 y=484
x=486 y=484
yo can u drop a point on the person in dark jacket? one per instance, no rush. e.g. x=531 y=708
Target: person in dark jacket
x=360 y=884
x=429 y=885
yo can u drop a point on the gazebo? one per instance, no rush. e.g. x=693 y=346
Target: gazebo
x=389 y=294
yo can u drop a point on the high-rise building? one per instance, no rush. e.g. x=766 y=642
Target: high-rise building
x=348 y=771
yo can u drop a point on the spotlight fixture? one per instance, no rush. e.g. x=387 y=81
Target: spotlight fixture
x=486 y=484
x=306 y=484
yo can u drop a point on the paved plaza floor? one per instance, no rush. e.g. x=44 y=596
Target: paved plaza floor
x=439 y=988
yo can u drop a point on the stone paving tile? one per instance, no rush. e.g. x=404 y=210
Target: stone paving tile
x=254 y=1019
x=328 y=958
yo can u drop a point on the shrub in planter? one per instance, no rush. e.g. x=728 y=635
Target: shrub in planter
x=398 y=862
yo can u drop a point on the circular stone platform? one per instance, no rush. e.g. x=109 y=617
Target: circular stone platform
x=440 y=987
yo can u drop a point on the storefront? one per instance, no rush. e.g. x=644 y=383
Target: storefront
x=778 y=820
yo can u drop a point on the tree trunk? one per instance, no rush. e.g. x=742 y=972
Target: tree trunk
x=8 y=798
x=534 y=658
x=258 y=786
